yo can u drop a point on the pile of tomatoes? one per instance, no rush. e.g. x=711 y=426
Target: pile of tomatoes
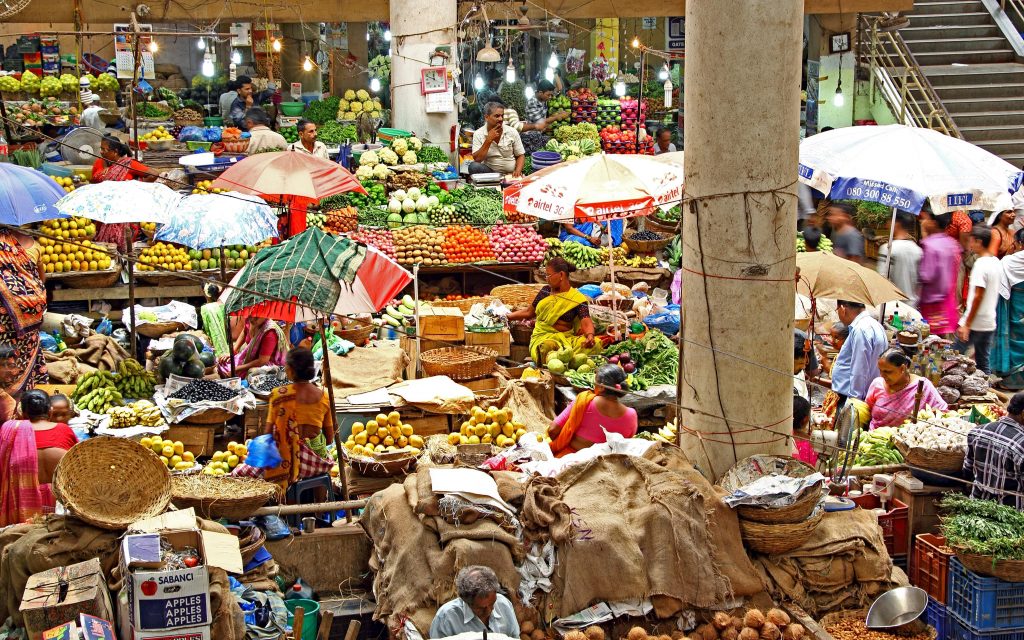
x=464 y=243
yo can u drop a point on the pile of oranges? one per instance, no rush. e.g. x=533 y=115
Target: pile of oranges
x=69 y=229
x=463 y=243
x=164 y=257
x=63 y=257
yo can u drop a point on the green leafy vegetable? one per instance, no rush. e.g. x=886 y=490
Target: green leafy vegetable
x=983 y=527
x=322 y=111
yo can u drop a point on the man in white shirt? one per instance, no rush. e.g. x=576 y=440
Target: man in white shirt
x=663 y=142
x=226 y=100
x=261 y=138
x=978 y=324
x=307 y=142
x=905 y=258
x=497 y=148
x=478 y=607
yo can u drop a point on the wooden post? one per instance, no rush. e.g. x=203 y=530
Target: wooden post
x=339 y=446
x=297 y=623
x=131 y=290
x=326 y=622
x=227 y=316
x=137 y=53
x=917 y=399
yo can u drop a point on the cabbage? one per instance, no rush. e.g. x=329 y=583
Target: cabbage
x=409 y=158
x=368 y=159
x=414 y=193
x=423 y=204
x=400 y=194
x=394 y=205
x=408 y=205
x=434 y=201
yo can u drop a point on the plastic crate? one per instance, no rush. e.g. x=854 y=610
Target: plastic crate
x=984 y=603
x=957 y=629
x=892 y=522
x=935 y=615
x=929 y=565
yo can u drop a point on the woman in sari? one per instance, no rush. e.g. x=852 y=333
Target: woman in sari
x=891 y=396
x=115 y=164
x=562 y=314
x=594 y=414
x=212 y=314
x=29 y=452
x=299 y=418
x=262 y=343
x=23 y=299
x=1008 y=347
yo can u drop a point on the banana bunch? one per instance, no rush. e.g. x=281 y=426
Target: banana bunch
x=133 y=381
x=618 y=253
x=640 y=261
x=147 y=414
x=100 y=400
x=122 y=417
x=91 y=382
x=667 y=433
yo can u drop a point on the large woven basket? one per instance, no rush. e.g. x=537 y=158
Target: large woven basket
x=459 y=363
x=521 y=333
x=88 y=279
x=215 y=497
x=1009 y=570
x=750 y=469
x=159 y=329
x=647 y=246
x=465 y=304
x=941 y=461
x=399 y=464
x=517 y=295
x=112 y=482
x=862 y=615
x=779 y=538
x=662 y=226
x=357 y=336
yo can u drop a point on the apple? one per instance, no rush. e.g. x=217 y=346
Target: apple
x=148 y=588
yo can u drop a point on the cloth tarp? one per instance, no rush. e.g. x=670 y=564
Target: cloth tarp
x=367 y=369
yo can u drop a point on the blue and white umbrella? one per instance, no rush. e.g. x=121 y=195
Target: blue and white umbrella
x=902 y=167
x=115 y=202
x=218 y=220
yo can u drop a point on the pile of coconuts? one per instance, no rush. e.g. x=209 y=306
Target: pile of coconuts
x=755 y=625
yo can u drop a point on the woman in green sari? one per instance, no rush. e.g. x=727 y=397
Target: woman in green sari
x=213 y=319
x=1008 y=347
x=562 y=315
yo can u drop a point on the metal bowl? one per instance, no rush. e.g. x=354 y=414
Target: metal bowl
x=897 y=608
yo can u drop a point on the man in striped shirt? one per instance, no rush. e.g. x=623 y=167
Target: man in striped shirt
x=995 y=457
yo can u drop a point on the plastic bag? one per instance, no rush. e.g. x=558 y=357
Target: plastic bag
x=590 y=290
x=666 y=322
x=104 y=327
x=48 y=342
x=263 y=453
x=191 y=134
x=677 y=287
x=211 y=134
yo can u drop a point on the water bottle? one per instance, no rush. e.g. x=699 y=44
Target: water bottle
x=299 y=590
x=897 y=324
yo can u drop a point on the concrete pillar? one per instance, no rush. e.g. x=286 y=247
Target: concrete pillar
x=742 y=120
x=417 y=27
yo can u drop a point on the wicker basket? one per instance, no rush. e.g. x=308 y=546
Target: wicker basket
x=215 y=497
x=399 y=464
x=779 y=537
x=647 y=246
x=1009 y=570
x=459 y=363
x=930 y=459
x=357 y=336
x=166 y=278
x=916 y=626
x=87 y=279
x=159 y=329
x=750 y=469
x=465 y=304
x=112 y=482
x=179 y=122
x=210 y=416
x=660 y=226
x=521 y=333
x=250 y=540
x=517 y=295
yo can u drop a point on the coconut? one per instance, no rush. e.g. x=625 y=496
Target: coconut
x=575 y=635
x=707 y=632
x=637 y=633
x=737 y=623
x=729 y=633
x=778 y=617
x=678 y=635
x=527 y=627
x=770 y=631
x=594 y=633
x=793 y=632
x=749 y=634
x=537 y=634
x=721 y=620
x=753 y=619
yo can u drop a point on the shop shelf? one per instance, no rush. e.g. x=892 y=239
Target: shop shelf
x=984 y=603
x=935 y=615
x=929 y=565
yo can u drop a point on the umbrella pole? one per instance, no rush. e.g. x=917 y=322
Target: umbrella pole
x=131 y=290
x=227 y=316
x=888 y=258
x=611 y=271
x=416 y=294
x=339 y=446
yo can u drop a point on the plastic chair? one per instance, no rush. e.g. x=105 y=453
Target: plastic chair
x=305 y=492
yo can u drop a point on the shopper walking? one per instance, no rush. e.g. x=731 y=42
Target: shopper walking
x=1008 y=345
x=900 y=265
x=847 y=241
x=937 y=274
x=978 y=324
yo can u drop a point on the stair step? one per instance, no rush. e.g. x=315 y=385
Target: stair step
x=946 y=32
x=993 y=132
x=958 y=44
x=963 y=57
x=974 y=105
x=1010 y=142
x=954 y=7
x=988 y=119
x=948 y=19
x=944 y=75
x=1007 y=90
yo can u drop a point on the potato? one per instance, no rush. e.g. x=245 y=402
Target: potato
x=753 y=619
x=778 y=617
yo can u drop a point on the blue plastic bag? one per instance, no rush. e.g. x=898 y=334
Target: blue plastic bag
x=191 y=134
x=667 y=322
x=211 y=134
x=590 y=290
x=263 y=453
x=104 y=327
x=48 y=342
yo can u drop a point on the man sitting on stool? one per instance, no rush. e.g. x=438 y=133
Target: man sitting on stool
x=497 y=148
x=478 y=606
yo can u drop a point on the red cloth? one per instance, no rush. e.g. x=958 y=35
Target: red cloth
x=59 y=437
x=961 y=223
x=268 y=344
x=101 y=170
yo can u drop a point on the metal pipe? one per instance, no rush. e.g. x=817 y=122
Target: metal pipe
x=319 y=507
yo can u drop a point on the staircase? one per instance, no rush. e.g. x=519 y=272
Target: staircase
x=973 y=70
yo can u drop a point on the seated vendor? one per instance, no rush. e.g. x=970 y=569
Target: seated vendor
x=995 y=457
x=262 y=343
x=802 y=449
x=584 y=422
x=562 y=314
x=497 y=148
x=891 y=396
x=478 y=607
x=593 y=234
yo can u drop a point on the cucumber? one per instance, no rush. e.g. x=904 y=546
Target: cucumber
x=407 y=301
x=406 y=311
x=391 y=321
x=394 y=313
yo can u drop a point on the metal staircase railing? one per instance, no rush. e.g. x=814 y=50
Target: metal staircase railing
x=1014 y=10
x=895 y=74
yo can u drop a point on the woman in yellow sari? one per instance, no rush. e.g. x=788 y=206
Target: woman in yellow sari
x=562 y=315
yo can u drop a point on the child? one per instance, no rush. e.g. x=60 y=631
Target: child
x=803 y=451
x=60 y=408
x=978 y=324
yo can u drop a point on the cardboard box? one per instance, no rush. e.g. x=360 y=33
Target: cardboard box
x=498 y=341
x=127 y=632
x=141 y=550
x=84 y=591
x=88 y=628
x=442 y=323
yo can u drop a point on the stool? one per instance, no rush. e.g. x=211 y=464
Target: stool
x=305 y=492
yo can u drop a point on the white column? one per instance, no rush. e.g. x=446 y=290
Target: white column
x=742 y=118
x=417 y=27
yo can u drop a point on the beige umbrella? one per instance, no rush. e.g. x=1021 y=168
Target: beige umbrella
x=826 y=275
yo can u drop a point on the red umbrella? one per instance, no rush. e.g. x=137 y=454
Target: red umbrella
x=297 y=179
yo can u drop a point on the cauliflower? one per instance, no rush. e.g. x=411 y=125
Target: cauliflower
x=381 y=172
x=367 y=105
x=343 y=106
x=369 y=159
x=348 y=115
x=362 y=95
x=364 y=172
x=415 y=144
x=356 y=107
x=376 y=105
x=350 y=95
x=388 y=157
x=400 y=146
x=375 y=114
x=409 y=158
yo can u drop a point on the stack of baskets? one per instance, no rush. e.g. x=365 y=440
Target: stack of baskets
x=216 y=497
x=459 y=363
x=465 y=304
x=517 y=295
x=647 y=246
x=775 y=529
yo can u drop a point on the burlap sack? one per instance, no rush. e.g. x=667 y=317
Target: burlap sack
x=64 y=368
x=99 y=351
x=366 y=369
x=532 y=402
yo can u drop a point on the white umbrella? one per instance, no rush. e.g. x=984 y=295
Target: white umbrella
x=901 y=167
x=204 y=221
x=121 y=202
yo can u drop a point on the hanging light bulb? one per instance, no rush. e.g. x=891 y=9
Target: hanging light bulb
x=153 y=46
x=636 y=42
x=529 y=92
x=663 y=74
x=387 y=36
x=275 y=44
x=839 y=99
x=510 y=73
x=478 y=82
x=553 y=60
x=374 y=84
x=307 y=64
x=201 y=44
x=236 y=57
x=549 y=74
x=620 y=88
x=208 y=66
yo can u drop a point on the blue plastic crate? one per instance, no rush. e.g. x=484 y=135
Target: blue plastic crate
x=984 y=603
x=935 y=615
x=957 y=629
